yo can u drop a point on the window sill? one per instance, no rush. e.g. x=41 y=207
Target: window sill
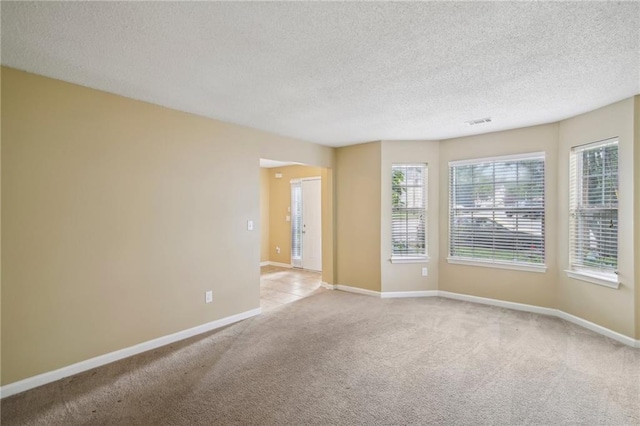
x=409 y=259
x=605 y=280
x=499 y=265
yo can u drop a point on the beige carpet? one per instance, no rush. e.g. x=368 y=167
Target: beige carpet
x=339 y=358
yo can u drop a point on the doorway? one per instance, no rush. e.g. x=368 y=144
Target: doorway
x=306 y=223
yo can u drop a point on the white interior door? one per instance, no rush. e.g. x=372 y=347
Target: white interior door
x=311 y=225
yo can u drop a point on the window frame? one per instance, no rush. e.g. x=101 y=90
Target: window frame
x=411 y=257
x=495 y=262
x=607 y=277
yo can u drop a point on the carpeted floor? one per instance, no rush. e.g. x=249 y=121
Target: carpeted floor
x=340 y=358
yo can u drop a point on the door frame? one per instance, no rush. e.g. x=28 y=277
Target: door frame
x=297 y=262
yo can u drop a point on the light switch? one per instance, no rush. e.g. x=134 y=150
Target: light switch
x=249 y=225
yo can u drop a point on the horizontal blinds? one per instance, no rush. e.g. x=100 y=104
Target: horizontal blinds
x=497 y=209
x=409 y=209
x=594 y=207
x=296 y=220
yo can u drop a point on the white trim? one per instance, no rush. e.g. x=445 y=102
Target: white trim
x=297 y=180
x=264 y=263
x=593 y=278
x=496 y=264
x=597 y=144
x=282 y=265
x=327 y=286
x=598 y=329
x=79 y=367
x=527 y=155
x=357 y=290
x=398 y=294
x=409 y=259
x=499 y=303
x=544 y=311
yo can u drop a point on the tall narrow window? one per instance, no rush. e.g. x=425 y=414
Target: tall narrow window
x=594 y=209
x=496 y=211
x=409 y=211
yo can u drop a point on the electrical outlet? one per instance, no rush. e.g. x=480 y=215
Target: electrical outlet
x=208 y=296
x=424 y=272
x=288 y=218
x=277 y=250
x=249 y=225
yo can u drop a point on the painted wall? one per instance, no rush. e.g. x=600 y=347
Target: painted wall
x=408 y=276
x=358 y=215
x=264 y=215
x=117 y=216
x=608 y=307
x=532 y=288
x=279 y=205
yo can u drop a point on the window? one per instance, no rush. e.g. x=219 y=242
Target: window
x=496 y=212
x=594 y=209
x=409 y=212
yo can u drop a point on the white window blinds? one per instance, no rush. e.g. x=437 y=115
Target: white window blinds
x=594 y=207
x=496 y=210
x=409 y=210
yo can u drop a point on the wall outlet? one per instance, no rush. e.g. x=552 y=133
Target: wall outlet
x=249 y=225
x=277 y=249
x=208 y=296
x=288 y=218
x=425 y=272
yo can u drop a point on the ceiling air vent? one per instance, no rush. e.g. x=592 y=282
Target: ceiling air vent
x=479 y=121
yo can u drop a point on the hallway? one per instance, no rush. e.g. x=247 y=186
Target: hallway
x=279 y=286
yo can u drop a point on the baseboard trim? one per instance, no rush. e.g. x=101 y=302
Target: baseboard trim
x=357 y=290
x=264 y=263
x=545 y=311
x=501 y=304
x=327 y=286
x=398 y=294
x=282 y=265
x=598 y=329
x=79 y=367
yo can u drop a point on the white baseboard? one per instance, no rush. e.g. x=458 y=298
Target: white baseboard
x=282 y=265
x=70 y=370
x=598 y=329
x=501 y=304
x=397 y=294
x=545 y=311
x=357 y=290
x=328 y=286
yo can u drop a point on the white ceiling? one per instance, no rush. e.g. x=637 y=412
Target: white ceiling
x=340 y=73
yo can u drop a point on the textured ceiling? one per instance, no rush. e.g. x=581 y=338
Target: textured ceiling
x=340 y=73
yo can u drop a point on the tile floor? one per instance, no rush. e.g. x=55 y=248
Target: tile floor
x=279 y=286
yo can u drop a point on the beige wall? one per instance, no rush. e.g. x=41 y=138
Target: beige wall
x=264 y=215
x=279 y=205
x=358 y=216
x=532 y=288
x=408 y=276
x=608 y=307
x=118 y=215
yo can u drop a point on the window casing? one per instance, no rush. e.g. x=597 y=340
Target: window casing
x=593 y=222
x=409 y=212
x=497 y=212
